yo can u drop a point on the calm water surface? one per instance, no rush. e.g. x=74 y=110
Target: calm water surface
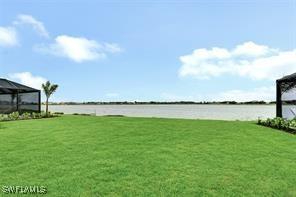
x=221 y=112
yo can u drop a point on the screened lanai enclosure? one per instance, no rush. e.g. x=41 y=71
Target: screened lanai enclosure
x=286 y=97
x=18 y=97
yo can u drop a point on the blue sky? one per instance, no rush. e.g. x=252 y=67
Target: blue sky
x=149 y=50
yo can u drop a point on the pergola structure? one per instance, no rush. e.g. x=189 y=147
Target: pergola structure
x=286 y=97
x=18 y=97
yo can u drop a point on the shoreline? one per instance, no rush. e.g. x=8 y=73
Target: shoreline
x=159 y=103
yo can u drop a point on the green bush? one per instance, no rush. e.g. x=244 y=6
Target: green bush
x=82 y=114
x=25 y=116
x=58 y=113
x=35 y=115
x=4 y=117
x=14 y=116
x=279 y=123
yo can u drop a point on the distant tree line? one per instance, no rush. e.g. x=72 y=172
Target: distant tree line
x=163 y=103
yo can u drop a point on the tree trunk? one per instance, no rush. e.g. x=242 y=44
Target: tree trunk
x=46 y=109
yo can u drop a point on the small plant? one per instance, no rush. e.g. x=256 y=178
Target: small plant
x=4 y=117
x=58 y=113
x=82 y=114
x=26 y=116
x=279 y=123
x=14 y=116
x=35 y=115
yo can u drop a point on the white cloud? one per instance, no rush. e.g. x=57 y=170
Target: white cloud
x=251 y=49
x=30 y=20
x=248 y=59
x=79 y=49
x=8 y=37
x=112 y=47
x=28 y=79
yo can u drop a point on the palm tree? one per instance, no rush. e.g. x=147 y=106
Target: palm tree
x=48 y=90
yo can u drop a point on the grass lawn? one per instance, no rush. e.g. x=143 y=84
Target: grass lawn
x=120 y=156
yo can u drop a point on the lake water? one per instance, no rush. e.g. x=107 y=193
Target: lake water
x=220 y=112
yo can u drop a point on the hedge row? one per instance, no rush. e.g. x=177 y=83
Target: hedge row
x=280 y=123
x=25 y=116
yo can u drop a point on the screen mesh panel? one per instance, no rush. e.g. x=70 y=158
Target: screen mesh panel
x=286 y=96
x=18 y=97
x=22 y=102
x=28 y=102
x=289 y=104
x=8 y=103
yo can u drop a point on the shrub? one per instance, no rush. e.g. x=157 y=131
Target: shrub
x=114 y=115
x=25 y=116
x=35 y=115
x=279 y=123
x=14 y=116
x=4 y=117
x=58 y=113
x=83 y=114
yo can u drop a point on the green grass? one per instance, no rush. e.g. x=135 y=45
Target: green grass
x=120 y=156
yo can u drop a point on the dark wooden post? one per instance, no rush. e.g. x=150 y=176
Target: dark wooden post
x=278 y=100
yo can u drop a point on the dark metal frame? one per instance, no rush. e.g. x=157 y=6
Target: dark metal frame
x=13 y=88
x=283 y=85
x=279 y=102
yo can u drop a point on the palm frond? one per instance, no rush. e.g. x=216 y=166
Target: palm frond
x=49 y=88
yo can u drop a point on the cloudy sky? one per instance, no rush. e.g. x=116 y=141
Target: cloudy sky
x=149 y=50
